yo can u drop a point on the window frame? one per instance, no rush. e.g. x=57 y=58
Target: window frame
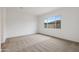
x=55 y=22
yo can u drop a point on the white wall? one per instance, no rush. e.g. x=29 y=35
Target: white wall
x=70 y=21
x=19 y=23
x=0 y=29
x=2 y=24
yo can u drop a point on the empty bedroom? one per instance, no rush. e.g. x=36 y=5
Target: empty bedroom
x=39 y=29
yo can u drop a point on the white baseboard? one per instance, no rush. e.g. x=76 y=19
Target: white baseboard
x=20 y=35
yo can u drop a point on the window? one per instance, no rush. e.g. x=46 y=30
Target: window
x=53 y=22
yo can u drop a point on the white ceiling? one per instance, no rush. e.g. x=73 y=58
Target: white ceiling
x=35 y=10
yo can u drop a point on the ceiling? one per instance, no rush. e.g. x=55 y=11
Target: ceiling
x=35 y=10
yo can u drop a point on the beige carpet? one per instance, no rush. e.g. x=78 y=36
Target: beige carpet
x=39 y=43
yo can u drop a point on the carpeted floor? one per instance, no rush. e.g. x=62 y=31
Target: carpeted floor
x=39 y=43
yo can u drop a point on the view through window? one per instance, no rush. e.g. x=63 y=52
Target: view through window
x=53 y=22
